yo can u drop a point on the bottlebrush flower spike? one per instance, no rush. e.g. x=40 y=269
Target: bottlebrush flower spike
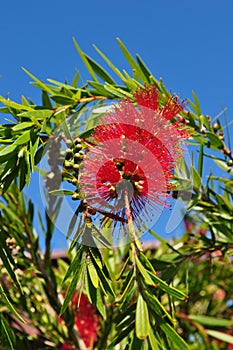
x=136 y=148
x=86 y=320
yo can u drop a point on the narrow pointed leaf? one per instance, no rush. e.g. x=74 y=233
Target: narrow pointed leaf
x=111 y=65
x=144 y=69
x=85 y=61
x=100 y=71
x=176 y=339
x=7 y=264
x=39 y=82
x=92 y=273
x=61 y=192
x=221 y=336
x=6 y=340
x=75 y=280
x=14 y=105
x=142 y=318
x=137 y=70
x=211 y=321
x=23 y=125
x=9 y=305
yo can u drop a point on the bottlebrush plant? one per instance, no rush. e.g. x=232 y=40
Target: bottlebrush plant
x=108 y=158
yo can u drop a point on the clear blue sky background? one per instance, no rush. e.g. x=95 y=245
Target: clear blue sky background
x=187 y=43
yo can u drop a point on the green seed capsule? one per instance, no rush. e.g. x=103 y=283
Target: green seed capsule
x=69 y=153
x=75 y=196
x=78 y=147
x=76 y=166
x=68 y=165
x=77 y=141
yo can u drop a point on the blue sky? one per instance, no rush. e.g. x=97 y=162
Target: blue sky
x=187 y=43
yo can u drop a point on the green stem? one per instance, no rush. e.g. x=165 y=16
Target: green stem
x=132 y=233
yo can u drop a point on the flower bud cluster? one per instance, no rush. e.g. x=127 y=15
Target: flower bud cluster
x=53 y=177
x=74 y=156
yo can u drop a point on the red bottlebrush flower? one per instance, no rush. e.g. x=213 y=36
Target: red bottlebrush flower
x=147 y=97
x=135 y=151
x=66 y=346
x=86 y=320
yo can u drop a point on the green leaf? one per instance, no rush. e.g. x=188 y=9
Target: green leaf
x=155 y=305
x=220 y=335
x=99 y=303
x=37 y=114
x=147 y=262
x=136 y=343
x=40 y=84
x=75 y=79
x=215 y=141
x=75 y=263
x=196 y=106
x=100 y=89
x=126 y=321
x=128 y=286
x=22 y=139
x=136 y=69
x=176 y=339
x=95 y=253
x=7 y=261
x=23 y=125
x=61 y=192
x=120 y=336
x=111 y=65
x=24 y=101
x=155 y=281
x=85 y=61
x=12 y=215
x=176 y=293
x=211 y=321
x=144 y=272
x=9 y=178
x=75 y=280
x=131 y=83
x=196 y=178
x=8 y=150
x=63 y=100
x=33 y=149
x=105 y=283
x=5 y=335
x=14 y=105
x=22 y=173
x=200 y=160
x=99 y=70
x=142 y=318
x=9 y=305
x=116 y=91
x=204 y=122
x=46 y=100
x=153 y=341
x=144 y=69
x=28 y=170
x=125 y=265
x=92 y=273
